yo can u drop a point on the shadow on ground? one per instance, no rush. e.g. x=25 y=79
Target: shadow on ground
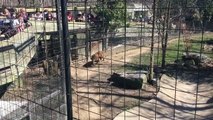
x=192 y=74
x=88 y=64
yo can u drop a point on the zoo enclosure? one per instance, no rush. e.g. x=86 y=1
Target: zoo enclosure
x=42 y=95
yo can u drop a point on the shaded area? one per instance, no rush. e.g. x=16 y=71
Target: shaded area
x=209 y=42
x=210 y=100
x=3 y=88
x=190 y=73
x=88 y=64
x=115 y=41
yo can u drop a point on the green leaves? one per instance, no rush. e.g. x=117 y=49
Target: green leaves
x=113 y=12
x=199 y=12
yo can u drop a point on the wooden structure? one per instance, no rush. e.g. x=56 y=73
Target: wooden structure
x=17 y=51
x=81 y=43
x=21 y=110
x=15 y=55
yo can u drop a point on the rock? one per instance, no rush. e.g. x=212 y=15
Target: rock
x=155 y=82
x=128 y=81
x=196 y=57
x=140 y=75
x=189 y=63
x=210 y=100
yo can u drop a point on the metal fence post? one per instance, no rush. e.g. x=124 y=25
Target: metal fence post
x=66 y=54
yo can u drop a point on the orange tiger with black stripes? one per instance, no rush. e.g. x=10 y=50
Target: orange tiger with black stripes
x=97 y=57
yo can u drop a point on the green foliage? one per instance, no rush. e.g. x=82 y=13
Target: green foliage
x=193 y=10
x=205 y=8
x=112 y=13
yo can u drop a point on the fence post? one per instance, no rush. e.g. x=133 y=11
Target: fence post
x=86 y=31
x=66 y=61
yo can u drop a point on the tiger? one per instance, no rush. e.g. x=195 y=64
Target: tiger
x=97 y=57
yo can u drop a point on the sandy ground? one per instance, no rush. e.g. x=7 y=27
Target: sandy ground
x=183 y=98
x=96 y=99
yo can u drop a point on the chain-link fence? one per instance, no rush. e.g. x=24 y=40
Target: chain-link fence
x=106 y=59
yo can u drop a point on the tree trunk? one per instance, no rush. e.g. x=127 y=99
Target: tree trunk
x=105 y=41
x=151 y=73
x=164 y=52
x=164 y=45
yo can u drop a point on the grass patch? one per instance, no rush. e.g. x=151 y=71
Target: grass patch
x=174 y=51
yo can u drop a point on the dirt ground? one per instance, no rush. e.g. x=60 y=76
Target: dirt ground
x=95 y=98
x=186 y=96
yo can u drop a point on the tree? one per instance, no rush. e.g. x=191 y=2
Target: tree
x=163 y=27
x=110 y=16
x=194 y=11
x=204 y=11
x=191 y=13
x=151 y=70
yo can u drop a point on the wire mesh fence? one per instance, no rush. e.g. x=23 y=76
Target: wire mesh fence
x=106 y=59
